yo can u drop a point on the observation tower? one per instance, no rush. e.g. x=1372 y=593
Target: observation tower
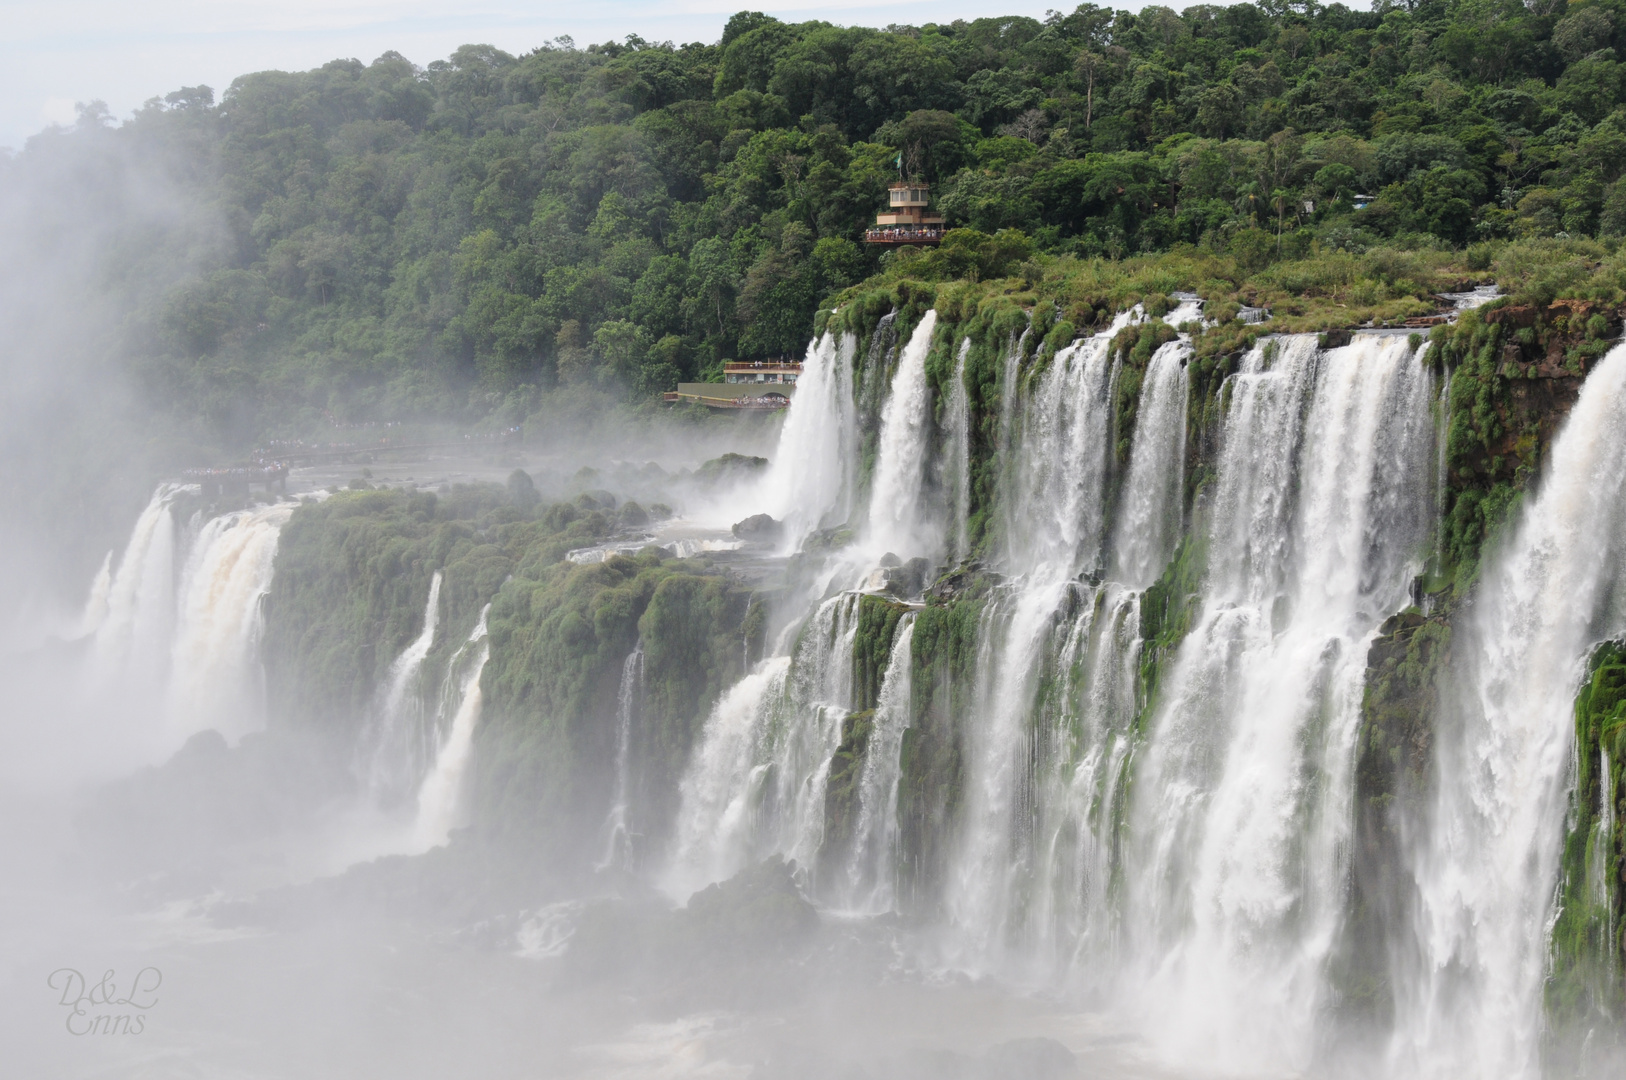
x=907 y=221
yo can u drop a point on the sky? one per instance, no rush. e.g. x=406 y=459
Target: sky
x=53 y=55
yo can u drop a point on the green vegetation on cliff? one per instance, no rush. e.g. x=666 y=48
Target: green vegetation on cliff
x=1585 y=985
x=350 y=584
x=1515 y=369
x=353 y=572
x=461 y=240
x=932 y=766
x=560 y=633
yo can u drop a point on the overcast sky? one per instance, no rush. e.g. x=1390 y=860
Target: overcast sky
x=55 y=54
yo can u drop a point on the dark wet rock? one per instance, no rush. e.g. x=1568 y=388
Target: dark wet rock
x=522 y=489
x=758 y=908
x=729 y=467
x=828 y=539
x=952 y=584
x=759 y=527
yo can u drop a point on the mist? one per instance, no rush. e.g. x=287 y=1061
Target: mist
x=1055 y=665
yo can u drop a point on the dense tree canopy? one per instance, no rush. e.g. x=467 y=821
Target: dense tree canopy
x=462 y=238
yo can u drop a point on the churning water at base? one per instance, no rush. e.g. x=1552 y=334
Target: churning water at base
x=1489 y=867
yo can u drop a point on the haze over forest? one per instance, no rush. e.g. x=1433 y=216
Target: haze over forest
x=1177 y=626
x=385 y=240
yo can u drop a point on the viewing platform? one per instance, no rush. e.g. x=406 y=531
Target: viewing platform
x=754 y=396
x=273 y=476
x=749 y=372
x=762 y=385
x=908 y=222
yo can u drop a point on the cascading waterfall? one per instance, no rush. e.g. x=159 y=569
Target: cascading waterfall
x=1242 y=808
x=136 y=633
x=440 y=796
x=956 y=463
x=217 y=679
x=392 y=745
x=757 y=781
x=1487 y=872
x=810 y=482
x=992 y=857
x=871 y=883
x=900 y=519
x=716 y=817
x=95 y=611
x=1057 y=526
x=618 y=825
x=180 y=619
x=1149 y=522
x=1084 y=736
x=1057 y=506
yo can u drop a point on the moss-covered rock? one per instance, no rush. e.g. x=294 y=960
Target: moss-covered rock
x=842 y=792
x=348 y=595
x=1586 y=984
x=352 y=575
x=559 y=637
x=932 y=757
x=1515 y=374
x=1393 y=782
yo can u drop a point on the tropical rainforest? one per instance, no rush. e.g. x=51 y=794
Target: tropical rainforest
x=379 y=242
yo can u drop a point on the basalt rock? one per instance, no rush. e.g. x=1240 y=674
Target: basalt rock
x=760 y=528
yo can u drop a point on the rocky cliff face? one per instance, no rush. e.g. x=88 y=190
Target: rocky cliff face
x=1105 y=658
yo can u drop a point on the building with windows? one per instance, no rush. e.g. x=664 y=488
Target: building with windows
x=747 y=384
x=907 y=220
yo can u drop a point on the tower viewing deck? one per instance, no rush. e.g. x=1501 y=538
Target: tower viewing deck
x=907 y=221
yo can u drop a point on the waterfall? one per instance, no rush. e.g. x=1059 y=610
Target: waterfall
x=757 y=782
x=95 y=610
x=1061 y=461
x=1488 y=869
x=135 y=634
x=980 y=883
x=440 y=795
x=1029 y=884
x=1241 y=811
x=899 y=515
x=1070 y=920
x=618 y=826
x=179 y=620
x=217 y=680
x=957 y=462
x=392 y=744
x=810 y=482
x=716 y=814
x=872 y=871
x=1153 y=492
